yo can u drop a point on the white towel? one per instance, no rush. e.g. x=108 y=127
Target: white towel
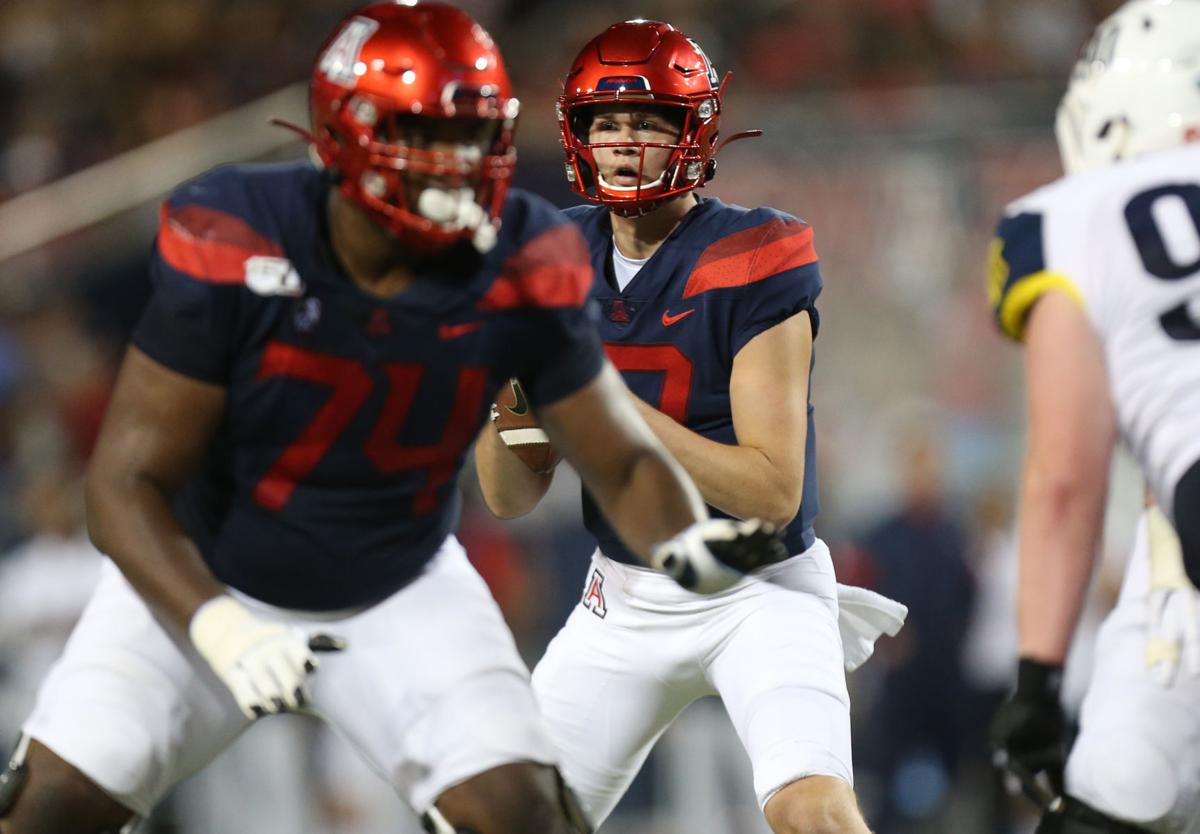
x=862 y=617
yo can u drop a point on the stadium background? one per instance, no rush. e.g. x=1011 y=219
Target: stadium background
x=898 y=128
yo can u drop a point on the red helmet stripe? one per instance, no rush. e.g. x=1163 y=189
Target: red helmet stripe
x=208 y=244
x=552 y=270
x=752 y=255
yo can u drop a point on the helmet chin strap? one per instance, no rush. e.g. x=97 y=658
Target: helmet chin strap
x=608 y=185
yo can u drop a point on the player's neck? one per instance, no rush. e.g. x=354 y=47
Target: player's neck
x=639 y=237
x=376 y=262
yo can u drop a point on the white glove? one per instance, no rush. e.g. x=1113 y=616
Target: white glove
x=712 y=555
x=1174 y=631
x=264 y=664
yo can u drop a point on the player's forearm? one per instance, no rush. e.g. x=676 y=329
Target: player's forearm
x=131 y=521
x=1060 y=522
x=739 y=480
x=646 y=495
x=510 y=488
x=652 y=502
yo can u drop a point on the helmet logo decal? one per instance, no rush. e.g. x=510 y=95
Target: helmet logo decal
x=621 y=83
x=337 y=64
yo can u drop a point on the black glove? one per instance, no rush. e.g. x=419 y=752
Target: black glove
x=712 y=555
x=1028 y=734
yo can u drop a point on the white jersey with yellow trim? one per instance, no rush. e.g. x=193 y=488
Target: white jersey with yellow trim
x=1123 y=241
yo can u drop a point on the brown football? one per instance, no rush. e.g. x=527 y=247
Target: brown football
x=519 y=429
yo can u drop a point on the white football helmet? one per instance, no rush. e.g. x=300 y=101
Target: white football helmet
x=1136 y=87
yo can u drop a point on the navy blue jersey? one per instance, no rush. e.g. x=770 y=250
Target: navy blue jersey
x=332 y=478
x=724 y=275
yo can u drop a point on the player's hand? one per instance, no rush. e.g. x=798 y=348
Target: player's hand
x=1174 y=631
x=712 y=555
x=264 y=664
x=1028 y=735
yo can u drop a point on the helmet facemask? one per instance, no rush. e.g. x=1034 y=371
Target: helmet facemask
x=633 y=175
x=429 y=181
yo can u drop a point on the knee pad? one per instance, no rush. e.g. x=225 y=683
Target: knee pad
x=1078 y=818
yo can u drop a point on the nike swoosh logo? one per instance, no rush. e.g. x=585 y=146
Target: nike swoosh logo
x=520 y=406
x=668 y=319
x=453 y=331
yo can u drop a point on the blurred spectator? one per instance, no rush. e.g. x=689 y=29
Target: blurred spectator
x=920 y=560
x=44 y=584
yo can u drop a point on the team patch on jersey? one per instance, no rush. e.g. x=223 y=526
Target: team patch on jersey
x=552 y=270
x=593 y=598
x=752 y=255
x=209 y=244
x=1017 y=273
x=267 y=275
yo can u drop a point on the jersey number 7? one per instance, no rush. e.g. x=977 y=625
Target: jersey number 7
x=666 y=359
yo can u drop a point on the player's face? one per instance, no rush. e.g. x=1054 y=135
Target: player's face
x=441 y=152
x=618 y=123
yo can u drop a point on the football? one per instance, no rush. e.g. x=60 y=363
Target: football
x=519 y=429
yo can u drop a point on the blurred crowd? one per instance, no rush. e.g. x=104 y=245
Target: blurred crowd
x=80 y=82
x=916 y=407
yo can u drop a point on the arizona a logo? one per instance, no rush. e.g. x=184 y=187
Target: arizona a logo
x=337 y=63
x=593 y=597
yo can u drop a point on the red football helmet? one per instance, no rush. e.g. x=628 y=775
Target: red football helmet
x=642 y=62
x=396 y=77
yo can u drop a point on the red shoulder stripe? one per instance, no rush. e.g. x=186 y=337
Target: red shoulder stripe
x=552 y=270
x=209 y=244
x=752 y=255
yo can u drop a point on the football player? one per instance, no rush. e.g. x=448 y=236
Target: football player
x=709 y=311
x=276 y=472
x=1099 y=275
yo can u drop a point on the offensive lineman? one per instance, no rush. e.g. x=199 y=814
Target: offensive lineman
x=278 y=462
x=1099 y=275
x=709 y=312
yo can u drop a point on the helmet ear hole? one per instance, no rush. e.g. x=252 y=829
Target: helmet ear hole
x=580 y=121
x=710 y=170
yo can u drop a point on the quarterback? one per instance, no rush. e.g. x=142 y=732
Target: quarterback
x=709 y=312
x=1099 y=275
x=276 y=475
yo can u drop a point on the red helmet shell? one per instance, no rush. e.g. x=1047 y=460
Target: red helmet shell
x=398 y=60
x=641 y=61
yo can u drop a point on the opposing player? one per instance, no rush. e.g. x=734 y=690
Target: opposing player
x=1099 y=275
x=709 y=311
x=276 y=472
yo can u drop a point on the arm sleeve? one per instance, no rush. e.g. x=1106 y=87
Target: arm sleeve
x=772 y=300
x=1018 y=274
x=548 y=282
x=191 y=321
x=568 y=356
